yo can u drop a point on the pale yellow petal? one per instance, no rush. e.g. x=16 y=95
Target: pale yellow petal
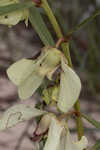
x=17 y=114
x=30 y=85
x=54 y=135
x=70 y=145
x=20 y=70
x=11 y=18
x=82 y=144
x=15 y=17
x=70 y=87
x=44 y=124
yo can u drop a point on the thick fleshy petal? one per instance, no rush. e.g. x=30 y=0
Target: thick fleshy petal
x=17 y=114
x=70 y=87
x=54 y=135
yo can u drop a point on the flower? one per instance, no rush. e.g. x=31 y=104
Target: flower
x=14 y=17
x=28 y=75
x=59 y=137
x=17 y=114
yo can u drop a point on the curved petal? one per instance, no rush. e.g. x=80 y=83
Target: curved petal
x=20 y=70
x=70 y=145
x=17 y=114
x=54 y=135
x=43 y=124
x=30 y=85
x=26 y=75
x=70 y=87
x=82 y=144
x=11 y=18
x=51 y=73
x=51 y=61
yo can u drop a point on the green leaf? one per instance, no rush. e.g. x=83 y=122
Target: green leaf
x=14 y=7
x=96 y=146
x=40 y=27
x=17 y=114
x=92 y=121
x=87 y=20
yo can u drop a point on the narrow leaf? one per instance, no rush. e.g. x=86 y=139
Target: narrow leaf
x=92 y=121
x=96 y=146
x=14 y=7
x=40 y=27
x=87 y=20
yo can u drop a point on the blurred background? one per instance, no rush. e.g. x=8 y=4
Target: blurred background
x=19 y=42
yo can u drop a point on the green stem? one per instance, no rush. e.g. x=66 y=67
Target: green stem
x=52 y=18
x=65 y=48
x=80 y=129
x=79 y=122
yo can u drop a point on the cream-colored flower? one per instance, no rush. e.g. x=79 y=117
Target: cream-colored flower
x=15 y=17
x=29 y=74
x=59 y=138
x=17 y=114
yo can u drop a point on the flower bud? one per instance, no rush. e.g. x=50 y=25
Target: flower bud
x=43 y=124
